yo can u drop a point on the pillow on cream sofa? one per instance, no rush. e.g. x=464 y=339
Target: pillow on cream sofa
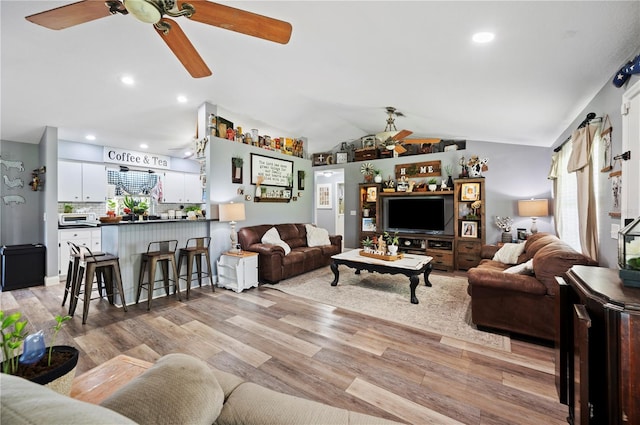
x=509 y=253
x=178 y=389
x=317 y=236
x=273 y=237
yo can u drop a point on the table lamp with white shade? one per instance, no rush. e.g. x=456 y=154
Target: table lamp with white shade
x=232 y=213
x=533 y=208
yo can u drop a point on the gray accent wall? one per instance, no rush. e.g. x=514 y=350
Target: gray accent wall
x=20 y=222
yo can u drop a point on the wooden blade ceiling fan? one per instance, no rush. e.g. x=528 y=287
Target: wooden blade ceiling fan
x=394 y=139
x=153 y=12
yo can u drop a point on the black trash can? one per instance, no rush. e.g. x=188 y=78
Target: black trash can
x=22 y=266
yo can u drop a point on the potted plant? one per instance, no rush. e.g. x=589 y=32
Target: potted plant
x=68 y=208
x=433 y=184
x=377 y=176
x=367 y=243
x=366 y=209
x=392 y=242
x=111 y=207
x=52 y=366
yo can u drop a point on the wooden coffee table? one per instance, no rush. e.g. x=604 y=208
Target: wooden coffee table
x=411 y=265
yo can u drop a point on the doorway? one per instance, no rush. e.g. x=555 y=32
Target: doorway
x=329 y=212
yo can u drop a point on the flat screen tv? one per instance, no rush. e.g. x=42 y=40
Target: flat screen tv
x=418 y=214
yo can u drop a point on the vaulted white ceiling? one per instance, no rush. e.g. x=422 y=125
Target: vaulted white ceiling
x=345 y=62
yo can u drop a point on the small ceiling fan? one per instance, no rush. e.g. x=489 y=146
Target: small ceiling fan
x=394 y=139
x=153 y=12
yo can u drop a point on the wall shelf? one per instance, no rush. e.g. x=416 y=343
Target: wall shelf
x=271 y=199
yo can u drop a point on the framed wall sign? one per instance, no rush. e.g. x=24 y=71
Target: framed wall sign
x=275 y=172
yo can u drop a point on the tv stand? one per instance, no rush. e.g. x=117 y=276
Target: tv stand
x=440 y=247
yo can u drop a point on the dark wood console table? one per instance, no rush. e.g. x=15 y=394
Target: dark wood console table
x=598 y=347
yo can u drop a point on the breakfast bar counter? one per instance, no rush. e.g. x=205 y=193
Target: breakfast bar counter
x=130 y=239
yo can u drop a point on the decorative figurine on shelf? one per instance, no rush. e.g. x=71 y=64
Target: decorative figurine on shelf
x=464 y=173
x=382 y=245
x=476 y=166
x=389 y=185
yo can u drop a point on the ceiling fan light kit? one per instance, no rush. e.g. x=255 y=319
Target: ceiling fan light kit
x=154 y=11
x=145 y=11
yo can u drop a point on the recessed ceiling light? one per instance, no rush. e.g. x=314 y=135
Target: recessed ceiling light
x=90 y=137
x=182 y=99
x=144 y=146
x=483 y=37
x=127 y=79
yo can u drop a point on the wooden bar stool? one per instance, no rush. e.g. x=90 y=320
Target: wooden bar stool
x=105 y=268
x=163 y=253
x=193 y=250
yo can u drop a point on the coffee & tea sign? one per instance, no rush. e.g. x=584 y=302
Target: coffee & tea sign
x=135 y=159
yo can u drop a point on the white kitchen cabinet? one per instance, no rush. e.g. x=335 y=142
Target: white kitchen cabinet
x=81 y=182
x=192 y=189
x=238 y=271
x=181 y=188
x=90 y=237
x=94 y=183
x=69 y=181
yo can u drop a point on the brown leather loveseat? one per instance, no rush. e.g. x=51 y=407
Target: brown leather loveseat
x=273 y=264
x=521 y=303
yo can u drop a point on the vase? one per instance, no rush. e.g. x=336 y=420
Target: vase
x=433 y=187
x=377 y=178
x=507 y=237
x=449 y=182
x=393 y=249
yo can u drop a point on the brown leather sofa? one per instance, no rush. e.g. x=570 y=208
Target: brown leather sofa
x=521 y=303
x=273 y=264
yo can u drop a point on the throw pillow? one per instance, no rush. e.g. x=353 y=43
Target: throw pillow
x=509 y=253
x=317 y=236
x=178 y=389
x=273 y=237
x=522 y=268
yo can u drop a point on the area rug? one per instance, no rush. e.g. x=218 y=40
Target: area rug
x=444 y=308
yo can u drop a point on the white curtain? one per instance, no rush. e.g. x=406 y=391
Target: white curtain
x=581 y=164
x=565 y=204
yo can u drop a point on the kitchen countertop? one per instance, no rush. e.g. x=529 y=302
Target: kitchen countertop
x=129 y=222
x=175 y=220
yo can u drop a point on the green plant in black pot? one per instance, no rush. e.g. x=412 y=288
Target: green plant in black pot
x=55 y=370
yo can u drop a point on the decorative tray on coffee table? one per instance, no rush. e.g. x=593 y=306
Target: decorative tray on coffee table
x=381 y=257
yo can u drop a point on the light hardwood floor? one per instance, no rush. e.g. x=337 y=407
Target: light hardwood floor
x=318 y=352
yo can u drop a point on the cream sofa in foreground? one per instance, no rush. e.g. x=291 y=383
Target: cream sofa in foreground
x=178 y=389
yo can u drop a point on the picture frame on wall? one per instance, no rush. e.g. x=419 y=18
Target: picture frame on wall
x=470 y=192
x=469 y=229
x=323 y=196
